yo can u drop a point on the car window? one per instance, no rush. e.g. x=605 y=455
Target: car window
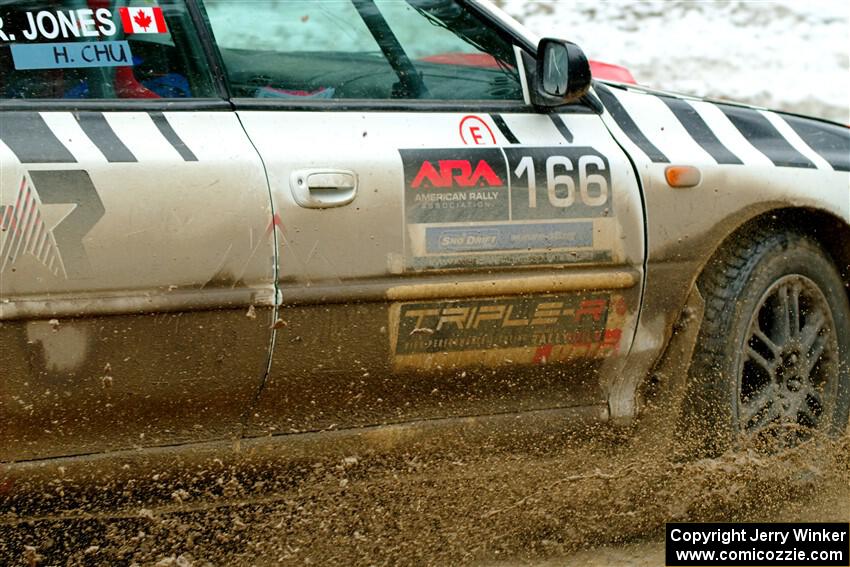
x=362 y=49
x=96 y=49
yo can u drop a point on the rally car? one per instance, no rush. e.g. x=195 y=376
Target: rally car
x=227 y=219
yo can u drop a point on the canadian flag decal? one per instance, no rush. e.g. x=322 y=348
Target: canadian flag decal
x=143 y=20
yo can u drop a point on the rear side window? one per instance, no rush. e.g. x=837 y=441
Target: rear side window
x=100 y=49
x=362 y=49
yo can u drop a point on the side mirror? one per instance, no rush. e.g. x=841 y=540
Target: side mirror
x=562 y=73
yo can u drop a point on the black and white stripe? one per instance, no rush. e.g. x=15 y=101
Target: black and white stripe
x=31 y=139
x=504 y=128
x=562 y=127
x=700 y=132
x=529 y=131
x=168 y=132
x=729 y=134
x=830 y=141
x=758 y=130
x=99 y=131
x=627 y=124
x=36 y=137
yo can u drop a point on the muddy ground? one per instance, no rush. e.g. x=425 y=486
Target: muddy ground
x=591 y=496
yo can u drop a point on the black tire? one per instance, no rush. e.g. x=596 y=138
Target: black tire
x=769 y=370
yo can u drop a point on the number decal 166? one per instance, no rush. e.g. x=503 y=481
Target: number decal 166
x=561 y=184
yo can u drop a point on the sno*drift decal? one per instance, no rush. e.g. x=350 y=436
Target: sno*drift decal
x=472 y=206
x=509 y=237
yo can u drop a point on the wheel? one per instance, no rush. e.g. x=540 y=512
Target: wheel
x=772 y=362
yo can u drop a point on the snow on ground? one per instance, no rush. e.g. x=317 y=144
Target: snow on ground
x=786 y=54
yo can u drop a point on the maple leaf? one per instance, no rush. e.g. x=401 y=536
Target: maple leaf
x=142 y=19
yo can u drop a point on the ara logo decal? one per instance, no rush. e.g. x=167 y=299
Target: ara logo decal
x=456 y=173
x=455 y=185
x=53 y=235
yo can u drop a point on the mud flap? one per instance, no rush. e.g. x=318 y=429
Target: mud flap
x=661 y=399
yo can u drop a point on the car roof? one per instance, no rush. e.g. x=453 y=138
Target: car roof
x=507 y=21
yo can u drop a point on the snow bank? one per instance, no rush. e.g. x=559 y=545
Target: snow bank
x=786 y=54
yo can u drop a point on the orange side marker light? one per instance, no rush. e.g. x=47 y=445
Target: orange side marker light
x=681 y=176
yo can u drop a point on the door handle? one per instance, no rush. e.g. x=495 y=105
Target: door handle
x=323 y=188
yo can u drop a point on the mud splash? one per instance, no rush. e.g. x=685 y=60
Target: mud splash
x=579 y=497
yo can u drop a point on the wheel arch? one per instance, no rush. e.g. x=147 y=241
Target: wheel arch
x=830 y=231
x=667 y=380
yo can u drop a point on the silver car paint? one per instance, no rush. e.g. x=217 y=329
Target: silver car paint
x=178 y=277
x=128 y=270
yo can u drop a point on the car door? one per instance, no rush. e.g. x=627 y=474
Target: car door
x=136 y=254
x=444 y=248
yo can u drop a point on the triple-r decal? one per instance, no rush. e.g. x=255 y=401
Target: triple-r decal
x=528 y=329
